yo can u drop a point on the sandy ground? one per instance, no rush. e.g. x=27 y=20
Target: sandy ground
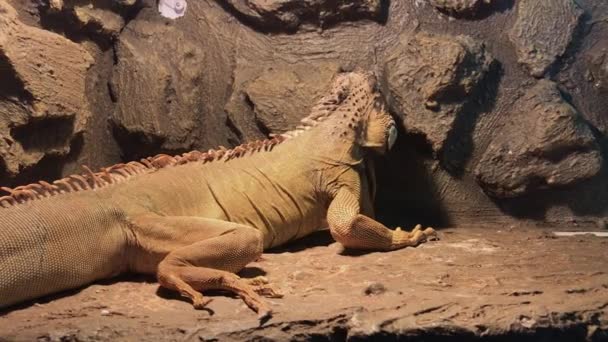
x=486 y=283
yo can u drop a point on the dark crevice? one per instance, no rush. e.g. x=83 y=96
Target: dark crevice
x=574 y=46
x=10 y=85
x=137 y=145
x=235 y=132
x=111 y=92
x=3 y=172
x=292 y=15
x=573 y=332
x=259 y=123
x=459 y=143
x=420 y=143
x=337 y=329
x=65 y=22
x=44 y=134
x=481 y=11
x=401 y=173
x=49 y=168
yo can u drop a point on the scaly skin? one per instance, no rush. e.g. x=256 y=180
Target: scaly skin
x=195 y=225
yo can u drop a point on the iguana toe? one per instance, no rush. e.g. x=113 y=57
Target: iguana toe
x=431 y=234
x=417 y=228
x=201 y=302
x=259 y=280
x=267 y=291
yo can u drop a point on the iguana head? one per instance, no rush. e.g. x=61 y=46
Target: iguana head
x=353 y=112
x=378 y=130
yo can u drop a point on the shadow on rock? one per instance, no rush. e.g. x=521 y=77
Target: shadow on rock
x=459 y=142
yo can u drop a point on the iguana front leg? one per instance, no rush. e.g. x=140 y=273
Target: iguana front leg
x=357 y=231
x=192 y=254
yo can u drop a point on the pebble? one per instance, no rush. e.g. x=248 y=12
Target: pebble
x=374 y=289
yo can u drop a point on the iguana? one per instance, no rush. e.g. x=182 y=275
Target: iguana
x=196 y=219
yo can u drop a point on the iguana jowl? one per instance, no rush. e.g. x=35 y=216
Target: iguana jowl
x=197 y=219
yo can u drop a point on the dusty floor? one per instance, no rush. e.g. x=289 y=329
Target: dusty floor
x=475 y=282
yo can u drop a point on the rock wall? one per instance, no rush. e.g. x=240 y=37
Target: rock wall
x=502 y=103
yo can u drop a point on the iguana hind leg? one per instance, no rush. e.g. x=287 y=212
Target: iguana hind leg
x=196 y=254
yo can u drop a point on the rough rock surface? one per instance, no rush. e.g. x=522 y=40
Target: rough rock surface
x=42 y=93
x=288 y=15
x=543 y=31
x=431 y=77
x=101 y=21
x=176 y=79
x=546 y=144
x=281 y=96
x=598 y=71
x=481 y=283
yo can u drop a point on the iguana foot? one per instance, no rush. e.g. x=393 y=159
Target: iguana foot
x=402 y=238
x=260 y=285
x=189 y=281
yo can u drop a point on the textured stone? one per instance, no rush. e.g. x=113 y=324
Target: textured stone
x=285 y=15
x=430 y=77
x=283 y=96
x=546 y=144
x=99 y=20
x=42 y=93
x=167 y=88
x=598 y=68
x=543 y=31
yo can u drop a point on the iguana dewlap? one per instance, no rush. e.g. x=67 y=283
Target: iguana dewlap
x=197 y=219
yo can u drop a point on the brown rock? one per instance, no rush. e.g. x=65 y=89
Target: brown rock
x=430 y=77
x=543 y=31
x=101 y=21
x=168 y=89
x=282 y=96
x=546 y=144
x=286 y=15
x=42 y=95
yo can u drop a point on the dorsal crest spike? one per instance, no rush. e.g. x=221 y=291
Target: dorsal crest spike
x=348 y=89
x=122 y=172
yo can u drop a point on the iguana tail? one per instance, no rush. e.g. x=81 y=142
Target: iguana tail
x=57 y=244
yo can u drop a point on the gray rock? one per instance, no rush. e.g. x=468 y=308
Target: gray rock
x=543 y=31
x=546 y=144
x=430 y=77
x=167 y=86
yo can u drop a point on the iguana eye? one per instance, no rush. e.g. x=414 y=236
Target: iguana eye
x=392 y=136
